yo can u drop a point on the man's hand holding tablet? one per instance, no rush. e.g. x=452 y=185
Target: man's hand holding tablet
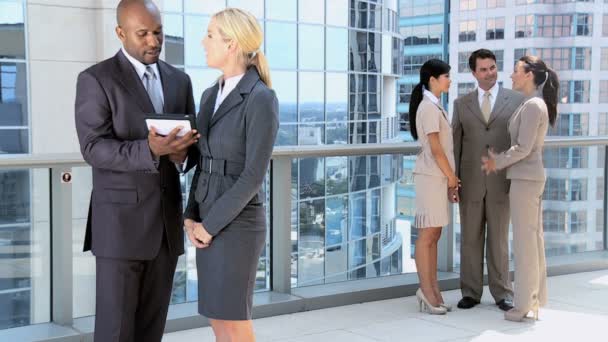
x=175 y=142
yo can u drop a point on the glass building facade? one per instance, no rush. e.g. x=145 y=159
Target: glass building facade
x=16 y=265
x=569 y=38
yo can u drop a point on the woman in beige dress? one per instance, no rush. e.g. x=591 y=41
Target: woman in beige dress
x=524 y=162
x=433 y=177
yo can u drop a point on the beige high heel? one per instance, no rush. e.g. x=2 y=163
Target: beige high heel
x=425 y=306
x=515 y=315
x=447 y=307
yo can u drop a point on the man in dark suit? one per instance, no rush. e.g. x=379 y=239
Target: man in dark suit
x=134 y=227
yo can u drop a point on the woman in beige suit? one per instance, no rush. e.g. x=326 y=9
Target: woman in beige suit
x=433 y=176
x=524 y=160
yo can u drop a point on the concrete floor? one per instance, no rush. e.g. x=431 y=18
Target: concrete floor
x=577 y=312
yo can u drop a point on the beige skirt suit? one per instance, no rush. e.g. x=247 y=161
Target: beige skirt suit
x=527 y=128
x=431 y=185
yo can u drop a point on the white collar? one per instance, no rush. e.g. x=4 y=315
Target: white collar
x=431 y=96
x=230 y=83
x=140 y=68
x=493 y=91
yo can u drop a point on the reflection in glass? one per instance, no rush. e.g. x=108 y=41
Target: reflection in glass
x=357 y=215
x=281 y=9
x=14 y=141
x=375 y=42
x=281 y=48
x=287 y=135
x=311 y=97
x=374 y=171
x=196 y=29
x=312 y=180
x=13 y=98
x=311 y=134
x=336 y=212
x=204 y=7
x=12 y=34
x=24 y=281
x=173 y=29
x=337 y=49
x=357 y=50
x=336 y=175
x=294 y=242
x=337 y=133
x=336 y=96
x=312 y=47
x=357 y=257
x=358 y=173
x=294 y=179
x=284 y=84
x=311 y=247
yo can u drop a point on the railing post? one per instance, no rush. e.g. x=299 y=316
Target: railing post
x=61 y=247
x=281 y=224
x=445 y=246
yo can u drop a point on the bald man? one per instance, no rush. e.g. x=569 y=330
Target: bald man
x=134 y=225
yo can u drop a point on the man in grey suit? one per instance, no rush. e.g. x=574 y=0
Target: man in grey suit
x=134 y=225
x=479 y=121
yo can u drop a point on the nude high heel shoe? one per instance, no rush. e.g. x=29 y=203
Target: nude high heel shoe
x=447 y=307
x=516 y=315
x=425 y=306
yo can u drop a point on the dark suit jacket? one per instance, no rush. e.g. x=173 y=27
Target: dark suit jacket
x=133 y=200
x=239 y=138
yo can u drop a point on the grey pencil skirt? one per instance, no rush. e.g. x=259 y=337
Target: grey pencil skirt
x=227 y=272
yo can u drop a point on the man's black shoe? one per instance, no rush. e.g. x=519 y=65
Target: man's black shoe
x=505 y=304
x=467 y=303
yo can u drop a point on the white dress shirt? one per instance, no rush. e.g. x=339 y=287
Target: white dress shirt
x=493 y=95
x=229 y=85
x=431 y=96
x=140 y=68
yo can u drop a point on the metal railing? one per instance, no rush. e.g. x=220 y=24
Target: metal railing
x=281 y=206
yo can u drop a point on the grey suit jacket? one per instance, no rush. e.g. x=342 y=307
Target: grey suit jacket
x=472 y=138
x=527 y=128
x=236 y=146
x=133 y=201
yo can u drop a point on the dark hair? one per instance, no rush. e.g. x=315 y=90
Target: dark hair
x=481 y=54
x=544 y=75
x=434 y=68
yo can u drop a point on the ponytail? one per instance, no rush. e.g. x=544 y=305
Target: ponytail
x=431 y=68
x=258 y=59
x=550 y=94
x=415 y=99
x=546 y=81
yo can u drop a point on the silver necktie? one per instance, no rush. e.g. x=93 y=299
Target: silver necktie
x=153 y=91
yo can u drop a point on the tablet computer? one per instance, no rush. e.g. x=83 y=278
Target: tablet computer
x=165 y=123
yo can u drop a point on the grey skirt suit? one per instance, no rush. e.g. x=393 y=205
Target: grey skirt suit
x=226 y=194
x=524 y=163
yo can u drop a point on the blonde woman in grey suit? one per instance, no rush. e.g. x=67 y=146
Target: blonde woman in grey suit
x=524 y=162
x=433 y=176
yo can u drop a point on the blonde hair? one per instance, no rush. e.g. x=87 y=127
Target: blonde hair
x=242 y=28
